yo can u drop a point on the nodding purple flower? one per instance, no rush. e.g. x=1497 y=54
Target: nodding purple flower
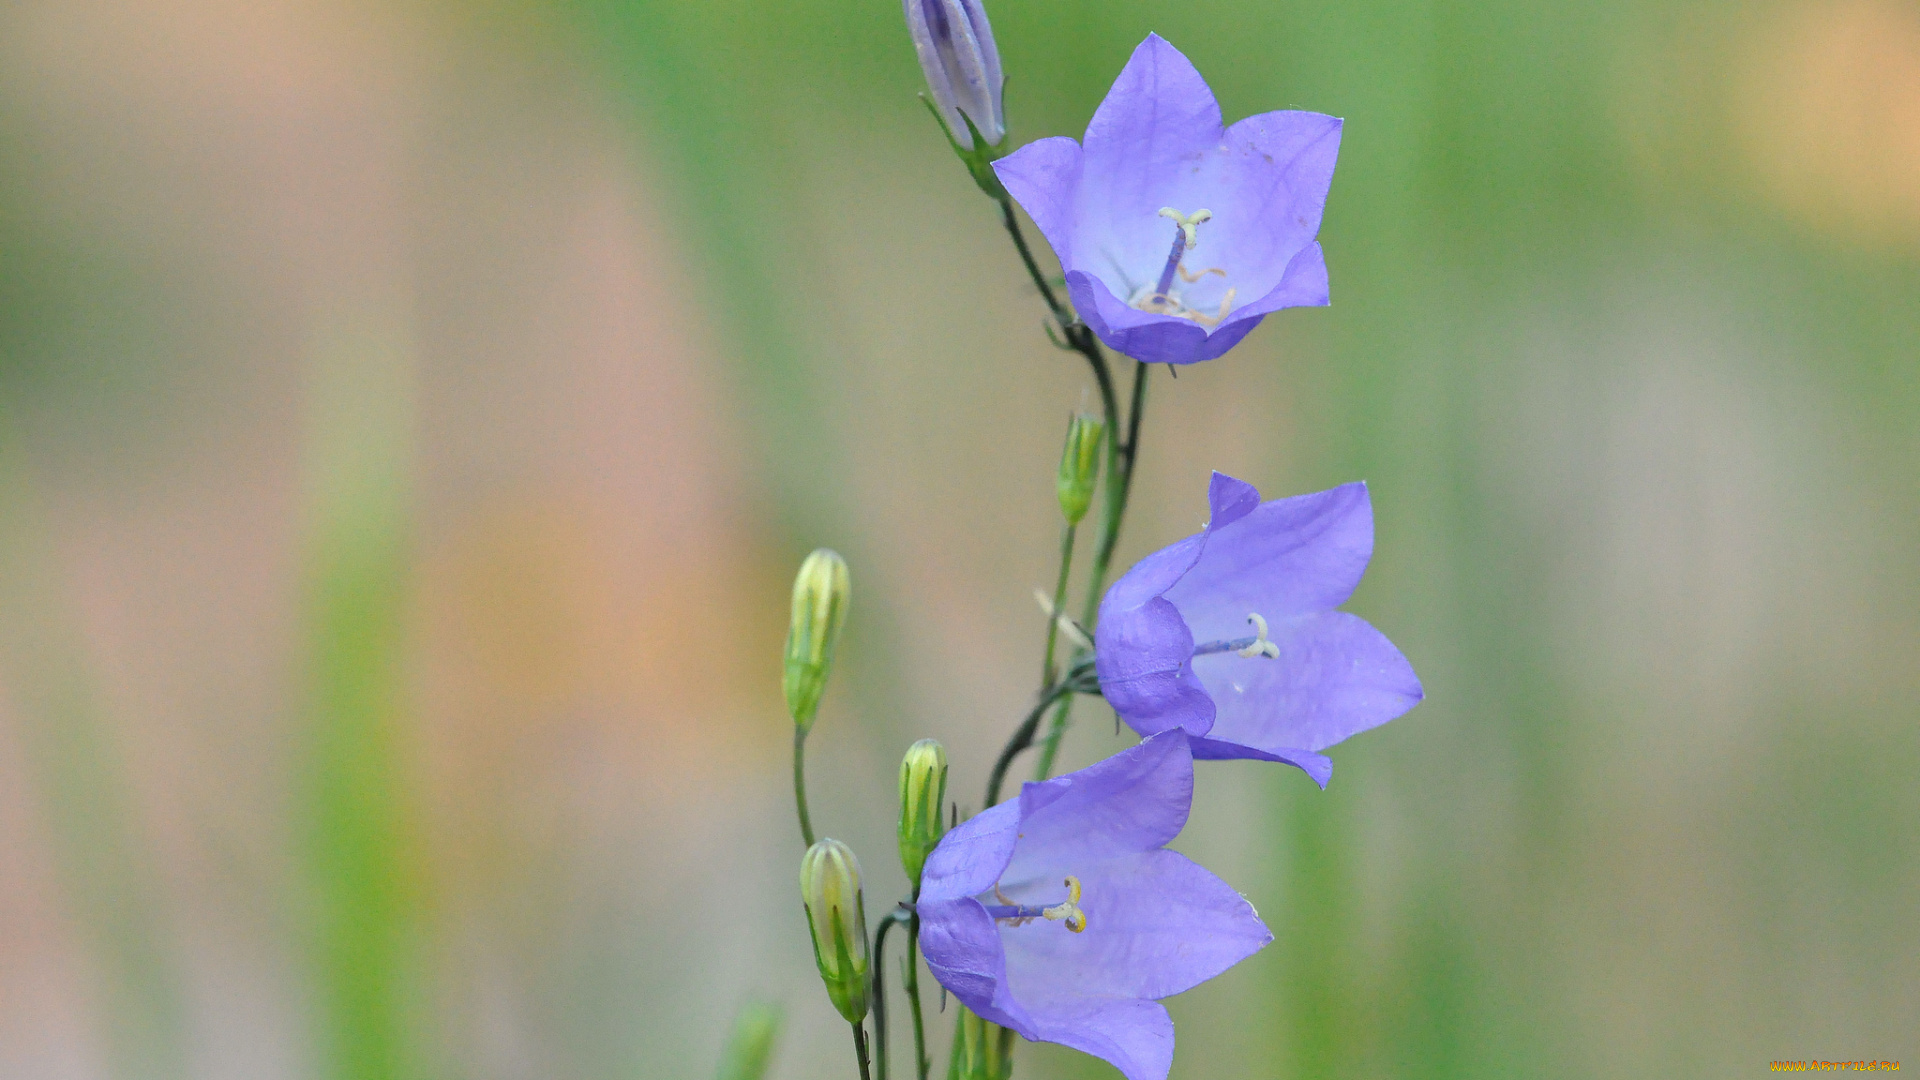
x=956 y=50
x=1061 y=915
x=1178 y=235
x=1173 y=649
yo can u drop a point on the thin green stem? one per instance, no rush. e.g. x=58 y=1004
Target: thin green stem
x=921 y=1062
x=1049 y=746
x=800 y=784
x=879 y=962
x=1121 y=457
x=860 y=1050
x=1078 y=335
x=1047 y=674
x=1026 y=256
x=1023 y=738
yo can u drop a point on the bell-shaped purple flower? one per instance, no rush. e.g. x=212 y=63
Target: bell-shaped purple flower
x=1061 y=915
x=1178 y=235
x=1231 y=634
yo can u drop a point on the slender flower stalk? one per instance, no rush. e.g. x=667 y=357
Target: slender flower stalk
x=1074 y=485
x=923 y=797
x=1023 y=738
x=1120 y=463
x=1057 y=606
x=821 y=592
x=1121 y=457
x=881 y=1056
x=921 y=1062
x=800 y=786
x=860 y=1050
x=1050 y=744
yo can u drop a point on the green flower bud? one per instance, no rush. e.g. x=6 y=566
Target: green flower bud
x=923 y=792
x=837 y=916
x=1080 y=466
x=979 y=1050
x=820 y=594
x=750 y=1044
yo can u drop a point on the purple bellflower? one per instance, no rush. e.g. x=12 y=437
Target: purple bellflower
x=1308 y=676
x=1061 y=915
x=1178 y=235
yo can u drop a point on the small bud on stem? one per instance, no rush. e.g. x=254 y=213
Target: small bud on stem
x=1080 y=465
x=837 y=917
x=923 y=791
x=821 y=592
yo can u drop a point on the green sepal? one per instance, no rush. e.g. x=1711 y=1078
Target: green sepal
x=979 y=160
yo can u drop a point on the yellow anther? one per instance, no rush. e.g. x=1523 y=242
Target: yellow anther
x=1187 y=222
x=1069 y=912
x=1261 y=646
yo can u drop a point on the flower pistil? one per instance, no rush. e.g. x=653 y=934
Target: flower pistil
x=1257 y=645
x=1161 y=300
x=1067 y=911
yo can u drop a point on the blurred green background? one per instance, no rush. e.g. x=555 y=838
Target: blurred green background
x=410 y=415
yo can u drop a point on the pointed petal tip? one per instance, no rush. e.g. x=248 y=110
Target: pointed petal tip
x=1229 y=499
x=1159 y=48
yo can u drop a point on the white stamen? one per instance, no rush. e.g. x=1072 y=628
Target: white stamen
x=1261 y=646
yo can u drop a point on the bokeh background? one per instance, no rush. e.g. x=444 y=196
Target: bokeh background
x=411 y=414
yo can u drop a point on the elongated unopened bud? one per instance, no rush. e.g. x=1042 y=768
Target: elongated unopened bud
x=821 y=592
x=923 y=791
x=979 y=1050
x=750 y=1044
x=1080 y=465
x=837 y=917
x=955 y=45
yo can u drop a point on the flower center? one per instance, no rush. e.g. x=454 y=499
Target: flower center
x=1162 y=301
x=1257 y=645
x=1067 y=911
